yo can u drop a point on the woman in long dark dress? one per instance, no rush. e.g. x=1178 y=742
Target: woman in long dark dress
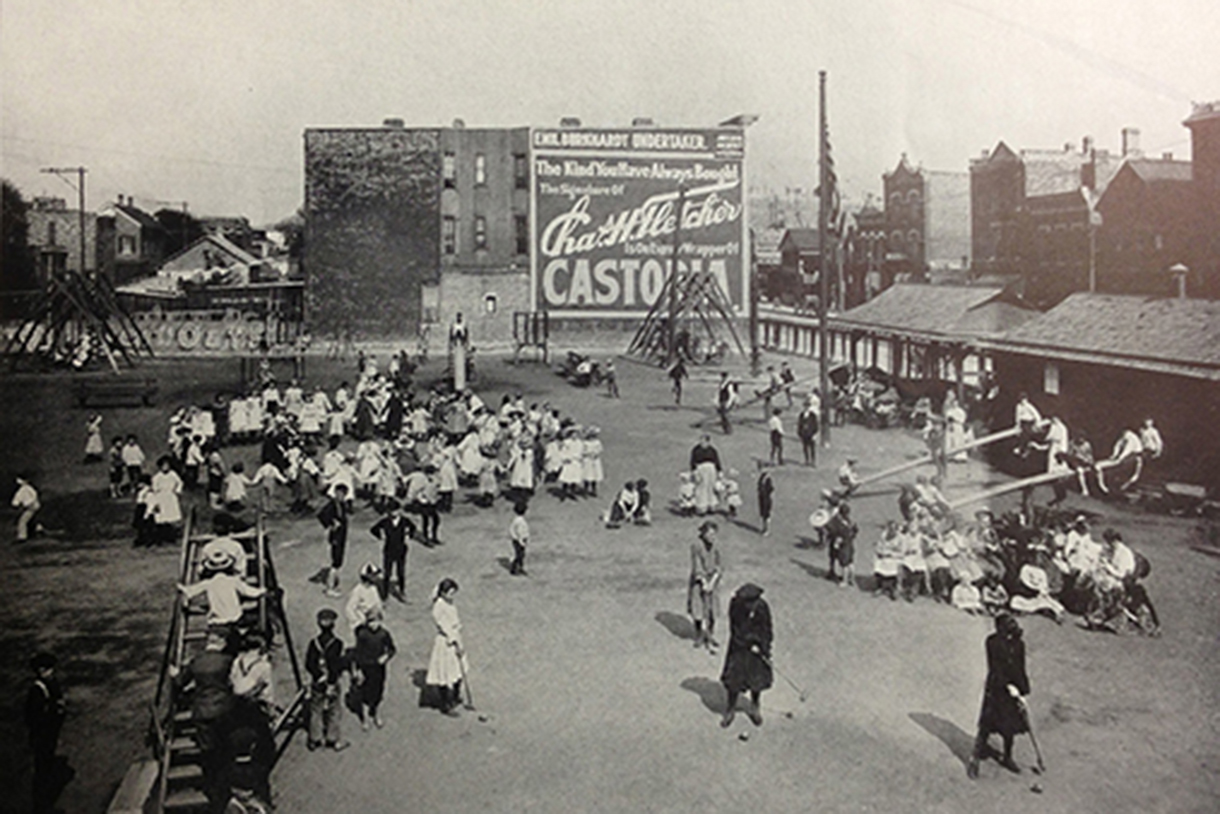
x=747 y=665
x=1004 y=693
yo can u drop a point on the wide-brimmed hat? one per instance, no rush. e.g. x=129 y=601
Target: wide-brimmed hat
x=370 y=570
x=218 y=560
x=749 y=591
x=819 y=518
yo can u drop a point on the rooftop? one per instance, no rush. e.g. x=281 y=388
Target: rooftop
x=1178 y=335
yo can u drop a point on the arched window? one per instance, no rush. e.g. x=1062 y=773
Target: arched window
x=895 y=241
x=913 y=239
x=490 y=302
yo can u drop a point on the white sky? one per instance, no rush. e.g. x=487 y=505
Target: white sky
x=205 y=101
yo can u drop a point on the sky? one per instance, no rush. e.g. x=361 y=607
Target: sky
x=206 y=101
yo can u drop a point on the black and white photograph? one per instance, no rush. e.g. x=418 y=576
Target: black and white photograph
x=609 y=406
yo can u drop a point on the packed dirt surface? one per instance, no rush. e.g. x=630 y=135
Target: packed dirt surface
x=589 y=695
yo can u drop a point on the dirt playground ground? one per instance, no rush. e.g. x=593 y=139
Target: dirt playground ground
x=589 y=694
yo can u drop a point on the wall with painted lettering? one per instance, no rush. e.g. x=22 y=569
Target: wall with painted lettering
x=606 y=206
x=203 y=333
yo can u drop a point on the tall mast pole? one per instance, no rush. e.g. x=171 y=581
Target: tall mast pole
x=824 y=201
x=671 y=322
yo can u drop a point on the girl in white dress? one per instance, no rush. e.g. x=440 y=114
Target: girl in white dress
x=591 y=461
x=447 y=666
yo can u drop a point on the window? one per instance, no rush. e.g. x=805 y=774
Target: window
x=489 y=304
x=913 y=196
x=1050 y=379
x=896 y=241
x=51 y=233
x=913 y=239
x=449 y=170
x=449 y=235
x=522 y=226
x=521 y=171
x=480 y=169
x=480 y=233
x=127 y=245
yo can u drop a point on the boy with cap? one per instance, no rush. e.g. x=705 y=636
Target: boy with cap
x=333 y=518
x=325 y=663
x=44 y=717
x=393 y=530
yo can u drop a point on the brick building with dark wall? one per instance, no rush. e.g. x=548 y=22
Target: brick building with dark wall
x=372 y=227
x=406 y=226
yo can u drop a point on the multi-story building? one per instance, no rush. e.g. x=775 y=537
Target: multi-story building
x=1030 y=213
x=393 y=213
x=405 y=227
x=130 y=242
x=54 y=238
x=1158 y=214
x=927 y=217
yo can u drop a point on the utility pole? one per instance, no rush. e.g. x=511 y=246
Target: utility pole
x=670 y=323
x=755 y=361
x=824 y=201
x=80 y=189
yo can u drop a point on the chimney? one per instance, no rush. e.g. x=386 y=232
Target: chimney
x=569 y=122
x=1086 y=145
x=1167 y=156
x=459 y=124
x=1178 y=272
x=393 y=124
x=1131 y=142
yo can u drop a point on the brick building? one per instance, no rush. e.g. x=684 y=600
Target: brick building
x=1159 y=213
x=400 y=220
x=927 y=219
x=54 y=238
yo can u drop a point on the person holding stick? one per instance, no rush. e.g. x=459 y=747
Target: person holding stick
x=747 y=664
x=447 y=665
x=1004 y=710
x=702 y=594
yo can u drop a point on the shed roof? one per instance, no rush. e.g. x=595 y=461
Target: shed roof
x=1166 y=335
x=958 y=311
x=802 y=239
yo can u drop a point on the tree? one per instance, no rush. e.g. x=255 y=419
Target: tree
x=181 y=229
x=293 y=229
x=17 y=265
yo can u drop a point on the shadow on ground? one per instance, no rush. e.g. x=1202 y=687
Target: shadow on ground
x=676 y=624
x=960 y=743
x=710 y=692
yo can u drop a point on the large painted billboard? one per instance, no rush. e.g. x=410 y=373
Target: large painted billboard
x=605 y=212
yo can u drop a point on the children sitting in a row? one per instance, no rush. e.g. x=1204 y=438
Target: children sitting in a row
x=727 y=489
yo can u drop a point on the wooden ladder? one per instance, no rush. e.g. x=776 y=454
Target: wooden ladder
x=180 y=782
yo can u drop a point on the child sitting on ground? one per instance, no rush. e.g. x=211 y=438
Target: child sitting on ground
x=643 y=512
x=623 y=508
x=728 y=491
x=686 y=494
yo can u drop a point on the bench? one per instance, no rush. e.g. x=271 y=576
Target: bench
x=115 y=392
x=134 y=791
